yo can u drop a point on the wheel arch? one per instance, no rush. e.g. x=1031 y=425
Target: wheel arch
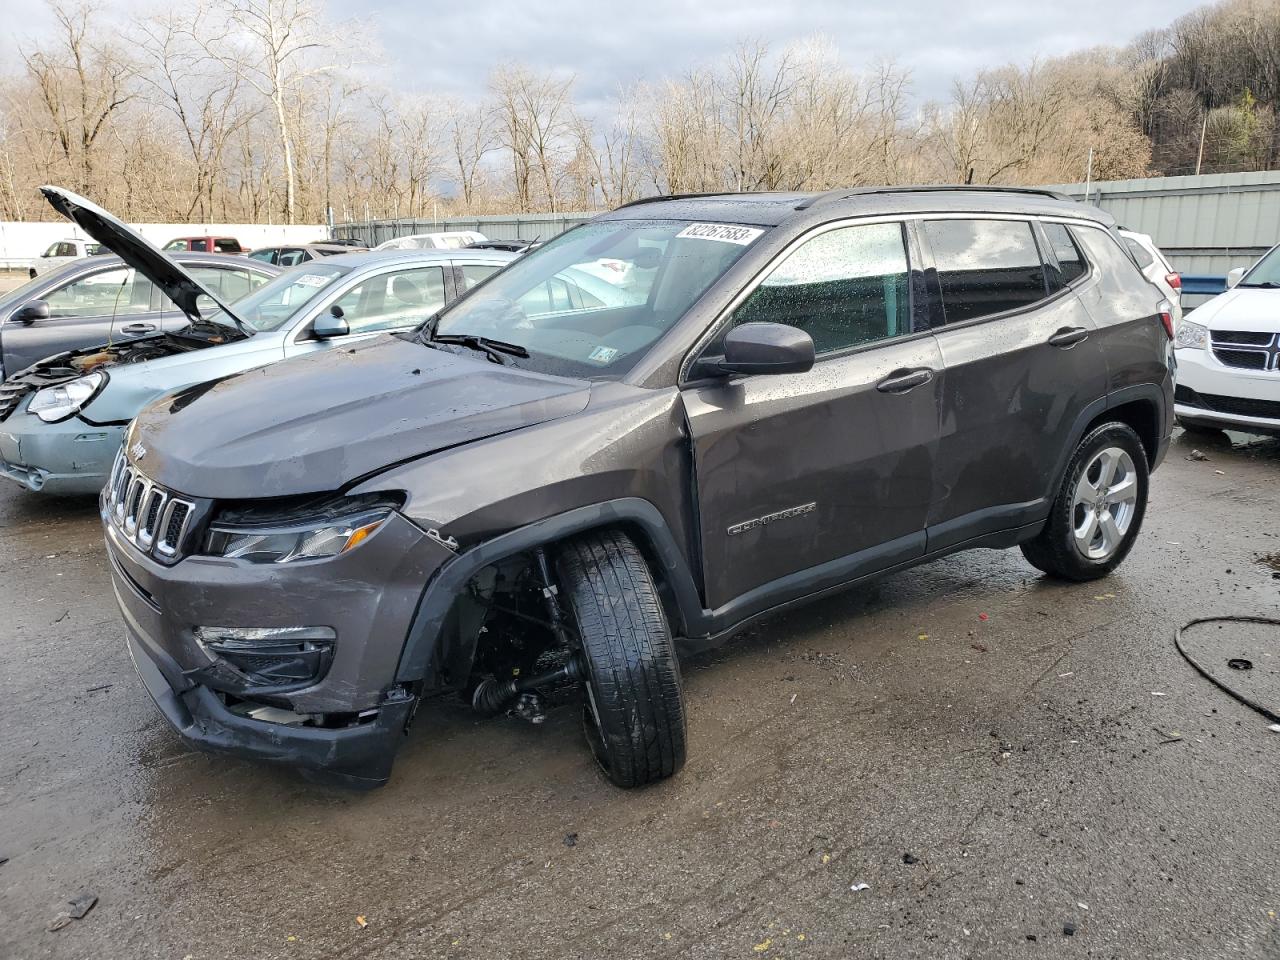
x=423 y=653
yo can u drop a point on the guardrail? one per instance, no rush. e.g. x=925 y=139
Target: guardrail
x=1203 y=285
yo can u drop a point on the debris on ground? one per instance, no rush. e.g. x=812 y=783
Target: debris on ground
x=570 y=839
x=910 y=859
x=77 y=908
x=1170 y=736
x=1221 y=473
x=361 y=922
x=1158 y=693
x=983 y=616
x=980 y=647
x=103 y=686
x=859 y=887
x=1068 y=929
x=1274 y=728
x=1196 y=456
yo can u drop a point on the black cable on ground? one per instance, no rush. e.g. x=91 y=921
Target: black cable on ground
x=1204 y=671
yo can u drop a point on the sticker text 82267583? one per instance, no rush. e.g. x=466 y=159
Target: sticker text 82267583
x=722 y=232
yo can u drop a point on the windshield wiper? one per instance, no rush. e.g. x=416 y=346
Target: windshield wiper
x=493 y=349
x=1264 y=284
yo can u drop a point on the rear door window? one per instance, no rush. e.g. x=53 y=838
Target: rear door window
x=473 y=273
x=1071 y=263
x=985 y=267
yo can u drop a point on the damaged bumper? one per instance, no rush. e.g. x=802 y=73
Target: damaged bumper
x=72 y=457
x=342 y=725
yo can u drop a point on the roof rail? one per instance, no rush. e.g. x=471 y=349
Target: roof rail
x=673 y=196
x=847 y=192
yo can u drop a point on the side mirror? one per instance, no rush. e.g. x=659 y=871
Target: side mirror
x=762 y=348
x=30 y=312
x=1235 y=276
x=330 y=324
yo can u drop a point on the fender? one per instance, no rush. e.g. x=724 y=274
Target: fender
x=421 y=646
x=1152 y=393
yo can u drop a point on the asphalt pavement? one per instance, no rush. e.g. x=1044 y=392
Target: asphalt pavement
x=963 y=760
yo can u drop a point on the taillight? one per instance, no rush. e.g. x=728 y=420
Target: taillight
x=1166 y=318
x=1174 y=280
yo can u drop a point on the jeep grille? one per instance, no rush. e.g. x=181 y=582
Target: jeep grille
x=149 y=516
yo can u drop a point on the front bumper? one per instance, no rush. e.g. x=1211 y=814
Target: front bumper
x=1211 y=393
x=356 y=711
x=72 y=457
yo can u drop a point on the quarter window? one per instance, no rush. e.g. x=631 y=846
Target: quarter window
x=393 y=300
x=844 y=288
x=985 y=267
x=1139 y=253
x=1071 y=263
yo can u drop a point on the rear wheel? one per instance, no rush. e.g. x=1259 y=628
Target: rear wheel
x=1099 y=508
x=634 y=715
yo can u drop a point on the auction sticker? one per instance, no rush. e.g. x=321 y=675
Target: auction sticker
x=723 y=232
x=312 y=280
x=603 y=354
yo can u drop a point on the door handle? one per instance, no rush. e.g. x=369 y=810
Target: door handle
x=1068 y=337
x=138 y=328
x=900 y=381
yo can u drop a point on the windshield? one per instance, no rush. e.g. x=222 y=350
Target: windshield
x=592 y=301
x=272 y=305
x=1265 y=273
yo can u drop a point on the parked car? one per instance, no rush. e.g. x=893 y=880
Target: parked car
x=291 y=256
x=62 y=253
x=511 y=246
x=62 y=419
x=103 y=300
x=1155 y=267
x=447 y=240
x=206 y=245
x=812 y=390
x=1229 y=354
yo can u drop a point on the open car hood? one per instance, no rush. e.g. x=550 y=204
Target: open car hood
x=178 y=285
x=320 y=421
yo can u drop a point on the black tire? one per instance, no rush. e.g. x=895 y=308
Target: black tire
x=1054 y=550
x=634 y=715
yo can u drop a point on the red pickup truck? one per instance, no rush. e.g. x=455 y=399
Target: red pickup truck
x=206 y=244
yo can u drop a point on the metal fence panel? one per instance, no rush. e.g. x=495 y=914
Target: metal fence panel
x=1205 y=225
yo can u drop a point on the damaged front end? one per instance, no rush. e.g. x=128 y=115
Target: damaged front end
x=65 y=367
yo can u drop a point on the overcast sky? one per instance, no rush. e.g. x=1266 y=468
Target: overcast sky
x=450 y=46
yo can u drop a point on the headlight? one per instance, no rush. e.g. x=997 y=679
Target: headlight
x=1191 y=336
x=57 y=403
x=322 y=534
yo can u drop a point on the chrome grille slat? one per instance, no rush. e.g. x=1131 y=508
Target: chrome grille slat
x=146 y=514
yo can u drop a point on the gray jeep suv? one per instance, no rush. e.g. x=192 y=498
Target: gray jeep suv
x=660 y=425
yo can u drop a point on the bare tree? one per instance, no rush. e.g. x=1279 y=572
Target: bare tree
x=81 y=84
x=275 y=46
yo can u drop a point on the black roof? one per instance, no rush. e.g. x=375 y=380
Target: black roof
x=771 y=209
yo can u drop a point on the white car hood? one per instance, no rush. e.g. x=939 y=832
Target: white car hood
x=1241 y=309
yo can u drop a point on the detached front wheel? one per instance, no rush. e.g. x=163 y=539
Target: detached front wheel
x=634 y=715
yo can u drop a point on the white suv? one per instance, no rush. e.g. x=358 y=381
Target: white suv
x=1229 y=355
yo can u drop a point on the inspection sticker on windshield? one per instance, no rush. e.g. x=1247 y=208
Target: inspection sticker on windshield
x=313 y=279
x=723 y=232
x=602 y=354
